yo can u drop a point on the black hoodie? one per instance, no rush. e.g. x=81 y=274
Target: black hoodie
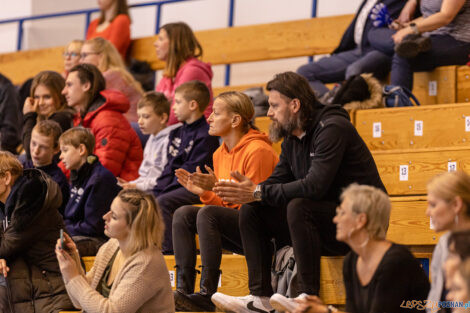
x=327 y=158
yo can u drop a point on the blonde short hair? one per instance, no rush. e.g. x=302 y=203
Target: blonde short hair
x=9 y=163
x=144 y=219
x=239 y=103
x=77 y=136
x=448 y=185
x=374 y=203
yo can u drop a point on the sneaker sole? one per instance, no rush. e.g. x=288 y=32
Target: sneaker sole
x=279 y=303
x=231 y=307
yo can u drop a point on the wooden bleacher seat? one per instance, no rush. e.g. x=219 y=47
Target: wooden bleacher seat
x=441 y=126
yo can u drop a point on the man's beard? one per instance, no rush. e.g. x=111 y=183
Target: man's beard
x=278 y=131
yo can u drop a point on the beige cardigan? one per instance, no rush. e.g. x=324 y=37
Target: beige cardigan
x=142 y=285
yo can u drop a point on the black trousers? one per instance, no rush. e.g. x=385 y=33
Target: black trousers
x=305 y=224
x=217 y=228
x=169 y=202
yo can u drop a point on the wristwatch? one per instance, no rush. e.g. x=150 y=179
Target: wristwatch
x=257 y=193
x=414 y=28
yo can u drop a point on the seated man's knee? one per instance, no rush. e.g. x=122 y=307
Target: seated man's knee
x=182 y=214
x=295 y=211
x=247 y=212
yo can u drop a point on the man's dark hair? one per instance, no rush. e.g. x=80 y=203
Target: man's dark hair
x=294 y=86
x=461 y=241
x=88 y=73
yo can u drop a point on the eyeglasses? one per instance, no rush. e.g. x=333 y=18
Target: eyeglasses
x=70 y=54
x=83 y=55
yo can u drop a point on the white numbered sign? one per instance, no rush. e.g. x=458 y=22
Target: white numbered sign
x=451 y=166
x=172 y=278
x=403 y=172
x=377 y=130
x=432 y=88
x=418 y=128
x=467 y=123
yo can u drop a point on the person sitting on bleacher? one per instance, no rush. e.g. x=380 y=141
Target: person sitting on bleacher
x=129 y=273
x=117 y=145
x=44 y=145
x=92 y=190
x=72 y=56
x=354 y=55
x=153 y=110
x=321 y=154
x=29 y=210
x=102 y=54
x=448 y=208
x=114 y=24
x=10 y=116
x=45 y=103
x=179 y=48
x=460 y=288
x=379 y=275
x=244 y=150
x=189 y=146
x=447 y=25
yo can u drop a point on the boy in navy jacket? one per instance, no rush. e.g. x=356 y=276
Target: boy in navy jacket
x=43 y=146
x=93 y=188
x=190 y=145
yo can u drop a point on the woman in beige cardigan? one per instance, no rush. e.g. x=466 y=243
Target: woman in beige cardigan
x=129 y=273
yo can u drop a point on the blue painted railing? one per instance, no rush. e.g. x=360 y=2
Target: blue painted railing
x=158 y=5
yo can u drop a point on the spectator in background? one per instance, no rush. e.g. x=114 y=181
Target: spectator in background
x=45 y=103
x=460 y=287
x=29 y=202
x=447 y=25
x=72 y=55
x=153 y=110
x=10 y=116
x=449 y=210
x=177 y=46
x=189 y=146
x=44 y=145
x=102 y=54
x=92 y=190
x=379 y=275
x=354 y=55
x=117 y=145
x=129 y=273
x=114 y=24
x=245 y=150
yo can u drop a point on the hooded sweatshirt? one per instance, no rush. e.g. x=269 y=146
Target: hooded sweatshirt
x=328 y=157
x=116 y=144
x=253 y=157
x=192 y=69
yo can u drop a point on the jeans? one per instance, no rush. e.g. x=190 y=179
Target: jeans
x=340 y=66
x=217 y=228
x=169 y=202
x=305 y=224
x=445 y=51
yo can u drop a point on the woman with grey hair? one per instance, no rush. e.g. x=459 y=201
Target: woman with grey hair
x=379 y=275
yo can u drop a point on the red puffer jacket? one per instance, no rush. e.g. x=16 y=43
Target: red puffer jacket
x=117 y=145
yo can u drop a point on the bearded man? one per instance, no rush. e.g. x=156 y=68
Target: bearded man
x=322 y=153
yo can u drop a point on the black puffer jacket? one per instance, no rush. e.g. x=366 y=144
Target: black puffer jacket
x=28 y=244
x=330 y=156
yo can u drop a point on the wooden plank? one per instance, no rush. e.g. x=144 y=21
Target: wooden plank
x=218 y=90
x=463 y=84
x=259 y=42
x=442 y=126
x=421 y=166
x=437 y=86
x=409 y=224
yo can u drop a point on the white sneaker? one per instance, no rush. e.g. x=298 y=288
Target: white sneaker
x=281 y=303
x=247 y=304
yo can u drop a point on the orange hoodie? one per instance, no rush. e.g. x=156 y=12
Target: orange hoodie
x=253 y=157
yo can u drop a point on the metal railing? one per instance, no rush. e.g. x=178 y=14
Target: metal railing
x=158 y=4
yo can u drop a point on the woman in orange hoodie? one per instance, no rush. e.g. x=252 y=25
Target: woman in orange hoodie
x=244 y=150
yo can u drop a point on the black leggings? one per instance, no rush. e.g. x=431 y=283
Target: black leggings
x=305 y=224
x=217 y=228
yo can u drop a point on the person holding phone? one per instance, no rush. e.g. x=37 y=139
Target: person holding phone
x=129 y=273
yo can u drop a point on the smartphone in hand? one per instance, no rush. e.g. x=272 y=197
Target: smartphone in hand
x=62 y=241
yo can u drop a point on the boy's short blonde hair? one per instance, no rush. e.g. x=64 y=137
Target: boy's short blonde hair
x=77 y=136
x=9 y=163
x=50 y=129
x=197 y=91
x=157 y=101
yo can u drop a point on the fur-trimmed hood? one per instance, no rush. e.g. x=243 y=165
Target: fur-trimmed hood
x=375 y=100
